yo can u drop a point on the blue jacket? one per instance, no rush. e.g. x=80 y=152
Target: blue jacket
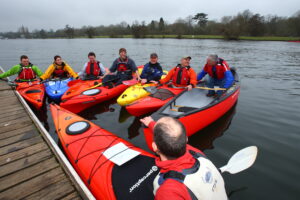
x=152 y=72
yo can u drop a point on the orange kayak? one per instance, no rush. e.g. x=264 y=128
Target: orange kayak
x=111 y=167
x=32 y=92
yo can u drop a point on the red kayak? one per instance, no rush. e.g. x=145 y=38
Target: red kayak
x=78 y=86
x=195 y=110
x=33 y=92
x=111 y=167
x=91 y=97
x=153 y=102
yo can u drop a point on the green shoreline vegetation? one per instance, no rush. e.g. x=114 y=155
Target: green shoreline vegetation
x=243 y=26
x=253 y=38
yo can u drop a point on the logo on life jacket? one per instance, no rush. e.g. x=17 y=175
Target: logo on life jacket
x=26 y=72
x=93 y=69
x=182 y=75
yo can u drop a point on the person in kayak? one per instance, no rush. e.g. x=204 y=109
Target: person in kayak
x=25 y=70
x=219 y=74
x=182 y=75
x=124 y=67
x=185 y=173
x=93 y=69
x=59 y=69
x=152 y=71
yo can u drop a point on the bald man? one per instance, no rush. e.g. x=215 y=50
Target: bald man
x=185 y=173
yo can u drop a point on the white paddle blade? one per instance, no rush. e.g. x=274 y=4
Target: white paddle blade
x=241 y=160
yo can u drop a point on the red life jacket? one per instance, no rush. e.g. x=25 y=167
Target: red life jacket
x=122 y=66
x=182 y=75
x=61 y=73
x=95 y=70
x=26 y=72
x=221 y=68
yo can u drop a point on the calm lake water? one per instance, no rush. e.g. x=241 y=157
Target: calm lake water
x=267 y=114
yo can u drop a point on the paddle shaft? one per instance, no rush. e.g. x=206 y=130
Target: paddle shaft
x=207 y=88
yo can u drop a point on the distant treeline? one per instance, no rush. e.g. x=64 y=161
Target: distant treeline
x=245 y=23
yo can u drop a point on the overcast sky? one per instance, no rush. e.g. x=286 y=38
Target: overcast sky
x=46 y=14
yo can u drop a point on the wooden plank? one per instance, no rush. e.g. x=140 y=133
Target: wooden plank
x=9 y=102
x=24 y=136
x=27 y=173
x=12 y=117
x=20 y=145
x=33 y=185
x=15 y=121
x=17 y=131
x=5 y=87
x=11 y=108
x=15 y=126
x=6 y=93
x=72 y=196
x=4 y=96
x=54 y=191
x=16 y=112
x=8 y=99
x=10 y=157
x=24 y=162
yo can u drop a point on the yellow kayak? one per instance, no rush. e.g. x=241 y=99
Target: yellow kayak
x=135 y=92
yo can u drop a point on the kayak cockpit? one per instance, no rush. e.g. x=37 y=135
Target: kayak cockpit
x=187 y=102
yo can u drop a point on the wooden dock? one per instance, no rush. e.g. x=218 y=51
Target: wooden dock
x=29 y=169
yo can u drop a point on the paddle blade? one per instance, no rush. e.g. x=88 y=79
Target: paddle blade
x=241 y=160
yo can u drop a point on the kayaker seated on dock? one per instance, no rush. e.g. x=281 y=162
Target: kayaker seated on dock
x=25 y=70
x=219 y=74
x=182 y=75
x=124 y=67
x=152 y=71
x=59 y=69
x=185 y=173
x=93 y=69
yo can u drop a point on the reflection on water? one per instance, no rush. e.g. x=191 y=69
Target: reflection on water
x=204 y=138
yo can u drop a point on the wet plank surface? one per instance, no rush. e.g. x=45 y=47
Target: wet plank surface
x=28 y=168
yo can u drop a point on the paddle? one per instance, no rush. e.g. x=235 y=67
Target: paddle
x=207 y=88
x=241 y=160
x=128 y=82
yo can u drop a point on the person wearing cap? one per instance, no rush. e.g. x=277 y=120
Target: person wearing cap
x=93 y=69
x=152 y=71
x=219 y=74
x=184 y=171
x=124 y=67
x=182 y=75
